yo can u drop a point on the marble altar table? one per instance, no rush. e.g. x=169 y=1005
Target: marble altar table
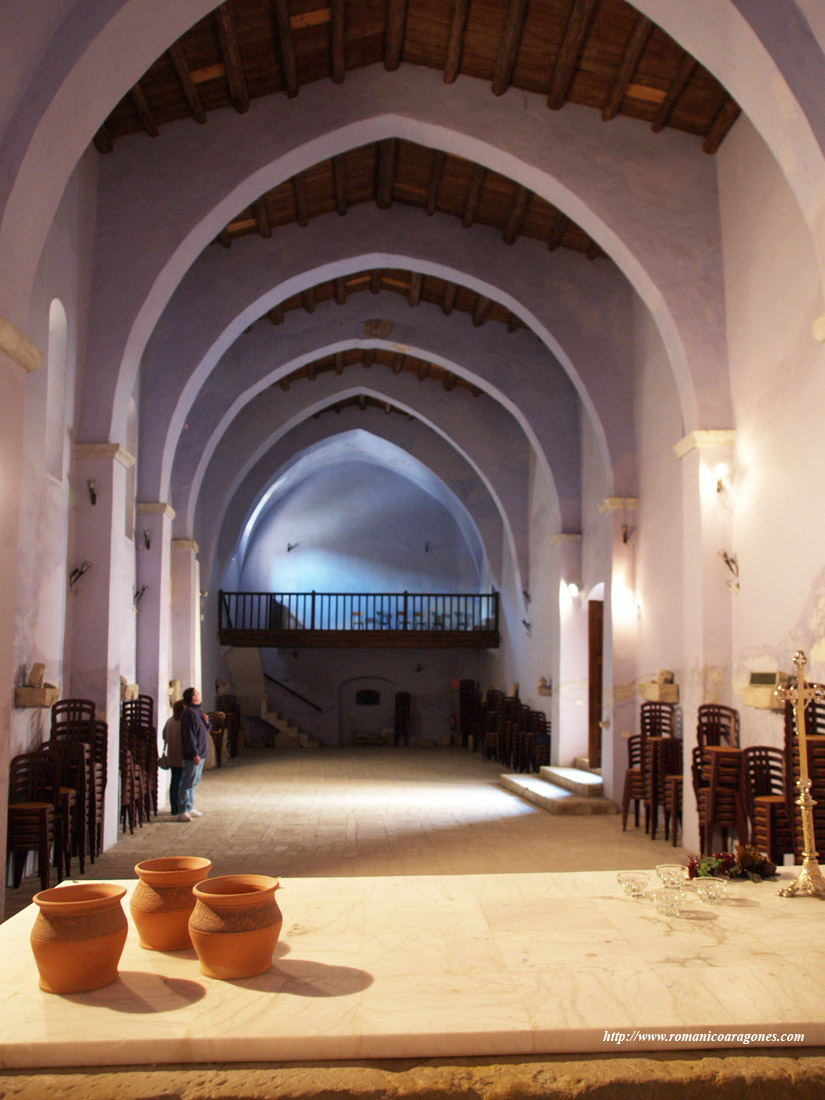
x=466 y=965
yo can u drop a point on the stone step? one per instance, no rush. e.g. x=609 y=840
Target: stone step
x=556 y=800
x=584 y=783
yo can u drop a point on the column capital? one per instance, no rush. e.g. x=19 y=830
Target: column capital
x=618 y=504
x=18 y=347
x=155 y=507
x=185 y=544
x=705 y=437
x=565 y=536
x=105 y=450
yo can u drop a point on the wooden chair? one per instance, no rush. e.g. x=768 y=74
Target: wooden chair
x=217 y=730
x=229 y=705
x=722 y=801
x=34 y=794
x=634 y=781
x=69 y=761
x=768 y=810
x=717 y=725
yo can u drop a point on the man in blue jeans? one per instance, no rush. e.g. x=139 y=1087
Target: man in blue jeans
x=194 y=728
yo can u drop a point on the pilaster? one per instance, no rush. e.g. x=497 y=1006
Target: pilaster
x=621 y=634
x=100 y=623
x=153 y=538
x=186 y=599
x=708 y=611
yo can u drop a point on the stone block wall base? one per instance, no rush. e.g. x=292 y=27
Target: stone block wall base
x=725 y=1075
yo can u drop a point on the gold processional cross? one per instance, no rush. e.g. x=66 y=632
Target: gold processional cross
x=809 y=882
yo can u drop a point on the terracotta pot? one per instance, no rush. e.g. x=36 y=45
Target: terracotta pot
x=78 y=936
x=235 y=925
x=163 y=900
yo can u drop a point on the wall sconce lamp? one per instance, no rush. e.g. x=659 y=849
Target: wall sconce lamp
x=527 y=626
x=137 y=596
x=290 y=546
x=147 y=539
x=573 y=590
x=90 y=485
x=76 y=574
x=721 y=472
x=732 y=564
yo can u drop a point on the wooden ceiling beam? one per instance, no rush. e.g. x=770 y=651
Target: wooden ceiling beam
x=339 y=362
x=369 y=357
x=436 y=172
x=394 y=33
x=262 y=221
x=375 y=281
x=450 y=292
x=630 y=59
x=299 y=189
x=414 y=296
x=423 y=371
x=276 y=315
x=338 y=39
x=230 y=51
x=141 y=105
x=593 y=251
x=512 y=324
x=680 y=81
x=226 y=238
x=340 y=291
x=561 y=224
x=284 y=384
x=187 y=84
x=363 y=401
x=308 y=299
x=474 y=195
x=449 y=381
x=286 y=47
x=398 y=363
x=481 y=310
x=339 y=179
x=512 y=226
x=312 y=371
x=455 y=42
x=727 y=115
x=387 y=156
x=569 y=51
x=509 y=45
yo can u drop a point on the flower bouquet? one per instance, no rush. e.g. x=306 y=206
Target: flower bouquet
x=744 y=862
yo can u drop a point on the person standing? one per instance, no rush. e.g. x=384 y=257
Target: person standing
x=171 y=739
x=194 y=729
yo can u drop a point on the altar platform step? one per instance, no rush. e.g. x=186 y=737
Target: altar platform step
x=585 y=783
x=554 y=798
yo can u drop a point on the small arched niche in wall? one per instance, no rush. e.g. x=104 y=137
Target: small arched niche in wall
x=367 y=697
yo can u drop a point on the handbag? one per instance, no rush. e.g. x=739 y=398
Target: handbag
x=163 y=762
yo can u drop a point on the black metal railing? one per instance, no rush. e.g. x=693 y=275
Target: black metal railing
x=381 y=612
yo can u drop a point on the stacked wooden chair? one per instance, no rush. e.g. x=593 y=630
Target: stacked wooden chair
x=75 y=721
x=33 y=817
x=815 y=736
x=767 y=801
x=229 y=705
x=217 y=731
x=661 y=755
x=138 y=734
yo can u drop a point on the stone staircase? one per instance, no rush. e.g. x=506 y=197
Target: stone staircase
x=561 y=791
x=287 y=735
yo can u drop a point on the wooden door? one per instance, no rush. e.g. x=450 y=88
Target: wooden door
x=595 y=637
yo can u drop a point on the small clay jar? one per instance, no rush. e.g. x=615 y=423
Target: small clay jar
x=78 y=936
x=235 y=925
x=163 y=901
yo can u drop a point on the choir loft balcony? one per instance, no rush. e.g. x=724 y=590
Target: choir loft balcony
x=398 y=620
